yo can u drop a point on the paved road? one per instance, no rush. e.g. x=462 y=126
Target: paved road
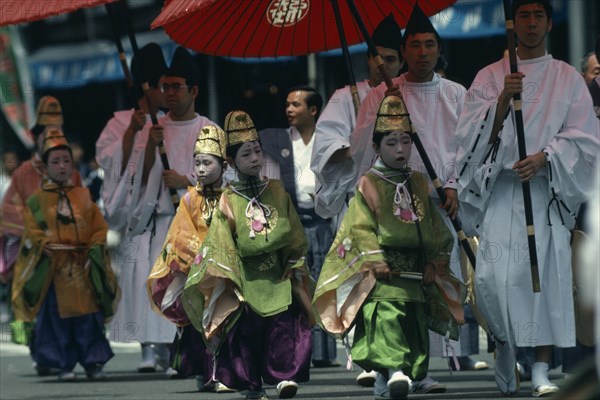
x=19 y=381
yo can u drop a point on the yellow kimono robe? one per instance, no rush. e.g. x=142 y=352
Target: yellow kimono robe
x=63 y=244
x=186 y=234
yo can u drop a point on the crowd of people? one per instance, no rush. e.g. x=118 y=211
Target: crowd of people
x=243 y=257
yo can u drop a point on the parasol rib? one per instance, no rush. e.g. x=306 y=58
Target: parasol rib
x=340 y=27
x=122 y=57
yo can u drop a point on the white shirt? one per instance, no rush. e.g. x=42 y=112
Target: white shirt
x=305 y=178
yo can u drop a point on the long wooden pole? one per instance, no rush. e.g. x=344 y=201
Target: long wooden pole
x=146 y=87
x=342 y=35
x=517 y=106
x=462 y=237
x=122 y=57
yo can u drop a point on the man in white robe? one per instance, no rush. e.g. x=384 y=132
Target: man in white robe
x=561 y=136
x=117 y=156
x=332 y=161
x=154 y=209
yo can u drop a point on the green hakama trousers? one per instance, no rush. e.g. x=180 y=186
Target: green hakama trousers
x=392 y=335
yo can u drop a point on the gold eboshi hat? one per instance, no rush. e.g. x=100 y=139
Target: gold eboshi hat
x=211 y=140
x=239 y=128
x=392 y=116
x=53 y=138
x=49 y=112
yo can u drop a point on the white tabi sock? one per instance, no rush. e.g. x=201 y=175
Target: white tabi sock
x=539 y=374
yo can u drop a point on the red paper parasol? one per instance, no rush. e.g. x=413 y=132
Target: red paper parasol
x=19 y=11
x=271 y=28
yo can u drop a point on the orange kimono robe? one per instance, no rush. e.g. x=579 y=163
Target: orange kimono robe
x=63 y=244
x=186 y=234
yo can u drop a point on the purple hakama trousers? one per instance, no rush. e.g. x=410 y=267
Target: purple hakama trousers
x=63 y=342
x=189 y=355
x=270 y=349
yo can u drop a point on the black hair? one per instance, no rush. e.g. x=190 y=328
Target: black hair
x=46 y=154
x=10 y=149
x=313 y=98
x=437 y=37
x=544 y=3
x=378 y=137
x=234 y=148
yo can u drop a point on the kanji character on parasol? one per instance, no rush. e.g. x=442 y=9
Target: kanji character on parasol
x=261 y=28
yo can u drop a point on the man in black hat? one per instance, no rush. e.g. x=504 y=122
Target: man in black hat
x=434 y=104
x=114 y=149
x=152 y=206
x=561 y=139
x=114 y=146
x=331 y=159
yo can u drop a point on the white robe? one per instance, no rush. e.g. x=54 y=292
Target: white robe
x=558 y=119
x=116 y=187
x=135 y=320
x=335 y=181
x=434 y=108
x=131 y=317
x=179 y=139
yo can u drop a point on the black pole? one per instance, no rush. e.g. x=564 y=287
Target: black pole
x=437 y=184
x=518 y=112
x=372 y=49
x=122 y=57
x=462 y=237
x=137 y=70
x=340 y=28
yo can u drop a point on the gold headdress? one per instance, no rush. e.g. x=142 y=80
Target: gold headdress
x=49 y=112
x=392 y=116
x=211 y=140
x=54 y=137
x=239 y=128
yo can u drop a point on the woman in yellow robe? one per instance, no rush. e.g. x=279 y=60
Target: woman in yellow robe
x=63 y=277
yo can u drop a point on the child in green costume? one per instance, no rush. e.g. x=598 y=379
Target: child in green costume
x=386 y=266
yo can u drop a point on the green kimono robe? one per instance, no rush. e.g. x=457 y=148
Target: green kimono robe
x=232 y=267
x=375 y=229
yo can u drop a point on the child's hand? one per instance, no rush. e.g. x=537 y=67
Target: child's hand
x=429 y=272
x=381 y=270
x=288 y=274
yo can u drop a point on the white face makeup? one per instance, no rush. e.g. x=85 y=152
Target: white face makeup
x=208 y=168
x=59 y=165
x=249 y=159
x=395 y=149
